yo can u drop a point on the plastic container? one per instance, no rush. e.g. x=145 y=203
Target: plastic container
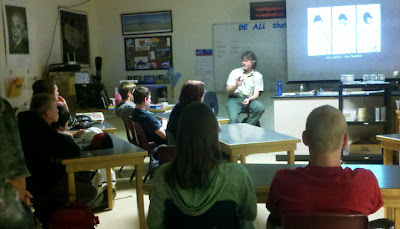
x=279 y=88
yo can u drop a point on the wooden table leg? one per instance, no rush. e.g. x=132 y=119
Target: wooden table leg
x=397 y=218
x=109 y=189
x=389 y=213
x=290 y=157
x=243 y=159
x=139 y=195
x=234 y=157
x=387 y=157
x=71 y=186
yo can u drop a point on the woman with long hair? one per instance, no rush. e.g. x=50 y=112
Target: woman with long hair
x=197 y=178
x=192 y=91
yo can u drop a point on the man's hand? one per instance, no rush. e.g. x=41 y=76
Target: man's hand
x=239 y=81
x=79 y=133
x=27 y=198
x=246 y=102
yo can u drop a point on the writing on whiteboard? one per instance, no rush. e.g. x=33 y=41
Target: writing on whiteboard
x=256 y=26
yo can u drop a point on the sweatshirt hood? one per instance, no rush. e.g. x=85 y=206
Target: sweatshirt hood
x=197 y=201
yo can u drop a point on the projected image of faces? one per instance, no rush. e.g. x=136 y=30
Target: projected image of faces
x=355 y=29
x=369 y=29
x=343 y=29
x=319 y=31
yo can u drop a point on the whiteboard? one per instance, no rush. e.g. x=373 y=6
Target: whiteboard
x=267 y=42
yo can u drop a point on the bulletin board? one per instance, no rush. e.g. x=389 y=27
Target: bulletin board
x=148 y=53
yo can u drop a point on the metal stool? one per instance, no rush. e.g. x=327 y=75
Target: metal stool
x=248 y=111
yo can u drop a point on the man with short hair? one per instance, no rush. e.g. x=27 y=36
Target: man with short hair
x=323 y=185
x=43 y=148
x=126 y=107
x=243 y=88
x=154 y=129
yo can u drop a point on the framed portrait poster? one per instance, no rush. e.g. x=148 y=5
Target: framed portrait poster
x=143 y=23
x=148 y=53
x=75 y=37
x=17 y=37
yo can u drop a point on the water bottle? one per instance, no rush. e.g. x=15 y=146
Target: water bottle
x=301 y=89
x=279 y=88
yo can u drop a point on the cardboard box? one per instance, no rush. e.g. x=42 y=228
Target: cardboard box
x=365 y=146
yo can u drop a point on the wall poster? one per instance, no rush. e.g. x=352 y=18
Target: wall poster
x=16 y=34
x=75 y=37
x=148 y=53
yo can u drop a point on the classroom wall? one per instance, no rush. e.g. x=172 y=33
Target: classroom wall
x=192 y=29
x=42 y=17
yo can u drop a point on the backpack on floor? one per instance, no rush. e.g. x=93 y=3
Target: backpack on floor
x=99 y=181
x=73 y=216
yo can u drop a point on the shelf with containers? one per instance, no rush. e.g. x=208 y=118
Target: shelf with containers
x=365 y=99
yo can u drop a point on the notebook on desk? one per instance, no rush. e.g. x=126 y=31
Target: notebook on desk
x=97 y=117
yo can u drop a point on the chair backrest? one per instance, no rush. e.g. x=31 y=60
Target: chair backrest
x=326 y=221
x=136 y=134
x=165 y=153
x=223 y=214
x=210 y=98
x=131 y=134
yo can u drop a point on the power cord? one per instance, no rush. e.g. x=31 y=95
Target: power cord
x=55 y=27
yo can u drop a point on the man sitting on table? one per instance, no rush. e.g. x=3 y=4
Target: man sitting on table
x=323 y=186
x=43 y=148
x=126 y=107
x=154 y=129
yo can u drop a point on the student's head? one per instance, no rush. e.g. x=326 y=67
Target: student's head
x=63 y=117
x=249 y=59
x=142 y=95
x=126 y=90
x=367 y=18
x=325 y=131
x=45 y=105
x=43 y=86
x=192 y=91
x=342 y=19
x=197 y=147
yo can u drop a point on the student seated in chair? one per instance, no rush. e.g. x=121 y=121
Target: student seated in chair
x=323 y=186
x=126 y=107
x=197 y=179
x=62 y=124
x=43 y=148
x=44 y=86
x=154 y=129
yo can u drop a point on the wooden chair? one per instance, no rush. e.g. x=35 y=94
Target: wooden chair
x=165 y=153
x=136 y=135
x=223 y=214
x=324 y=220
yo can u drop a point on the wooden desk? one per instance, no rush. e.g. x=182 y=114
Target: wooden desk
x=166 y=115
x=122 y=154
x=389 y=142
x=388 y=179
x=105 y=127
x=242 y=139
